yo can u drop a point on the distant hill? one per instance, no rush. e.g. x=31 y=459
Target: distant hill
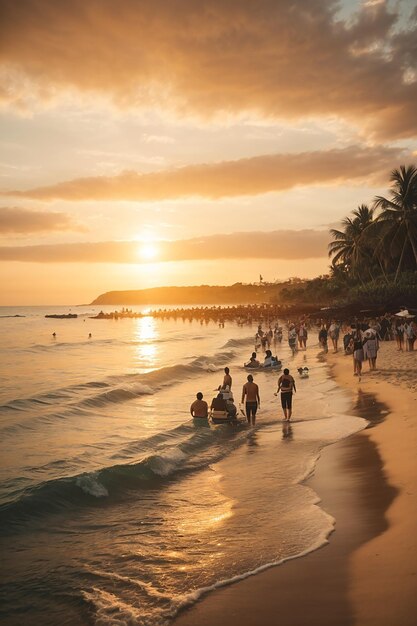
x=204 y=294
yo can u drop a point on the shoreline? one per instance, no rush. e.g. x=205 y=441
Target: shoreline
x=366 y=483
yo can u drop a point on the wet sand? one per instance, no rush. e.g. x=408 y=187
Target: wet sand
x=367 y=573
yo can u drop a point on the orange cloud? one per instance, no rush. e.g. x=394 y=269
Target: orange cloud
x=281 y=244
x=251 y=176
x=20 y=220
x=281 y=58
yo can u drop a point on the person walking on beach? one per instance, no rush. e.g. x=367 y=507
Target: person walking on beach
x=286 y=385
x=199 y=407
x=334 y=330
x=399 y=334
x=358 y=356
x=251 y=392
x=323 y=338
x=370 y=347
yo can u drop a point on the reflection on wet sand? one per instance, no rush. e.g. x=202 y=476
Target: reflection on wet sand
x=287 y=432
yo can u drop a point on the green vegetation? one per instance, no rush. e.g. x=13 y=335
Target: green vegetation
x=374 y=254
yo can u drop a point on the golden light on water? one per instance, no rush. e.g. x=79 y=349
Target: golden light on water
x=146 y=329
x=145 y=350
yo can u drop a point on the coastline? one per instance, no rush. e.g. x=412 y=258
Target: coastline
x=366 y=574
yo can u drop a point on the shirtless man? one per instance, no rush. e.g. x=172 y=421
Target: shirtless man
x=199 y=407
x=227 y=380
x=253 y=401
x=286 y=385
x=253 y=361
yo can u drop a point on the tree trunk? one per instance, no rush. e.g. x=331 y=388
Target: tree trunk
x=400 y=261
x=382 y=270
x=413 y=243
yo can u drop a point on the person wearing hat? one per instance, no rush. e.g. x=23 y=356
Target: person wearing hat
x=370 y=347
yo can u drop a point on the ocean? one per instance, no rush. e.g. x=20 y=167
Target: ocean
x=116 y=509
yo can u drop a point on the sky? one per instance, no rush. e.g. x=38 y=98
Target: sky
x=160 y=143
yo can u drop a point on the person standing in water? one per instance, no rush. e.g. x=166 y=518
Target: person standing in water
x=251 y=392
x=227 y=380
x=286 y=385
x=199 y=407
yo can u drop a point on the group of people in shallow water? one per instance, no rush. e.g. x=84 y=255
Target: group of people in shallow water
x=269 y=361
x=223 y=403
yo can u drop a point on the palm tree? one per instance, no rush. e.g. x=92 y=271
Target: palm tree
x=398 y=216
x=350 y=248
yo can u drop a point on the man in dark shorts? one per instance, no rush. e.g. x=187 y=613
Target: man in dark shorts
x=286 y=385
x=251 y=391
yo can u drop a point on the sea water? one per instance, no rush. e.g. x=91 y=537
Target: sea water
x=116 y=508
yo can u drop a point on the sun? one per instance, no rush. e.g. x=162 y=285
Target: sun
x=148 y=251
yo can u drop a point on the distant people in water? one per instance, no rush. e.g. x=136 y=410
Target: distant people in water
x=302 y=336
x=271 y=361
x=54 y=335
x=90 y=335
x=199 y=407
x=250 y=392
x=292 y=339
x=253 y=361
x=286 y=385
x=278 y=334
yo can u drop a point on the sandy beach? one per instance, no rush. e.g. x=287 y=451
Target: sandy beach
x=367 y=573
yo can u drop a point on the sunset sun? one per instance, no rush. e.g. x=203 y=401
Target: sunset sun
x=148 y=251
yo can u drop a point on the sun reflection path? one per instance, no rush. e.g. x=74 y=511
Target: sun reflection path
x=146 y=334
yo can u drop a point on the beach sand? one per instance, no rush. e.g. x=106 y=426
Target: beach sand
x=367 y=574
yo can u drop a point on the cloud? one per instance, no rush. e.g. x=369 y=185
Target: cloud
x=280 y=244
x=20 y=220
x=285 y=59
x=251 y=176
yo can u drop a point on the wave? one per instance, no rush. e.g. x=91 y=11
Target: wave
x=64 y=345
x=112 y=610
x=118 y=388
x=182 y=450
x=238 y=343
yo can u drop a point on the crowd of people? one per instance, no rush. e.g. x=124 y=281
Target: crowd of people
x=223 y=408
x=361 y=338
x=242 y=314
